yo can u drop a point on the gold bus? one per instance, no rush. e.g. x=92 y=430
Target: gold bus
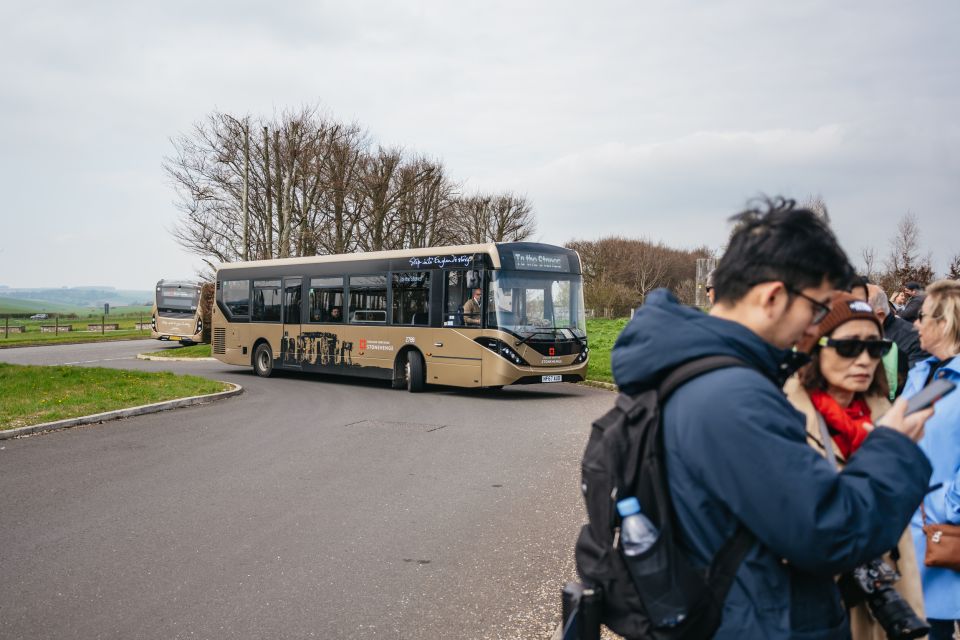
x=176 y=312
x=484 y=315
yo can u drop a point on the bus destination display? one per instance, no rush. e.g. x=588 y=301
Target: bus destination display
x=529 y=261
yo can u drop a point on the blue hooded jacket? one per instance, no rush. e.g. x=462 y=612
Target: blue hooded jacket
x=737 y=453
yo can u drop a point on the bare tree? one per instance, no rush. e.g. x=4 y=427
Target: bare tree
x=904 y=263
x=619 y=272
x=819 y=206
x=953 y=271
x=649 y=266
x=306 y=184
x=869 y=256
x=510 y=219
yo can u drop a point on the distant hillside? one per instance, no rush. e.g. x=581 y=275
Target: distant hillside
x=16 y=305
x=79 y=296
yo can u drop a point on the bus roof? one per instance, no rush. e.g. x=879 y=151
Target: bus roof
x=178 y=283
x=492 y=249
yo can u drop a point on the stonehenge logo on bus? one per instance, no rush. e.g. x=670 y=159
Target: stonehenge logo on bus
x=540 y=261
x=439 y=262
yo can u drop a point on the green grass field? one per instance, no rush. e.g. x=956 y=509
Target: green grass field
x=33 y=395
x=193 y=351
x=21 y=306
x=602 y=333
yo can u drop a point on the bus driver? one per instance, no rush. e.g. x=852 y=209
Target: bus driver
x=472 y=310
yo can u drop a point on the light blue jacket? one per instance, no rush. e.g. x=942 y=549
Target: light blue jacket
x=941 y=443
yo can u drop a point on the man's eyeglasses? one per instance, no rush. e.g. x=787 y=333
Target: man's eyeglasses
x=820 y=309
x=876 y=349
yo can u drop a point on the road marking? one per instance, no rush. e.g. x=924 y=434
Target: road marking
x=92 y=361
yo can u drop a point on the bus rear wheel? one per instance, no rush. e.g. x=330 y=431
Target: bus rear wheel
x=263 y=360
x=416 y=379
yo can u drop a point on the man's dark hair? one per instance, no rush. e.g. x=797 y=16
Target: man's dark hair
x=779 y=243
x=860 y=282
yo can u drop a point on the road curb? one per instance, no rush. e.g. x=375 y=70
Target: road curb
x=143 y=356
x=122 y=413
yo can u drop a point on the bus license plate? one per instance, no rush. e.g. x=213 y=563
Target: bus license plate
x=174 y=338
x=551 y=378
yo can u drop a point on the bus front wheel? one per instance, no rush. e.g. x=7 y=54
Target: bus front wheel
x=416 y=379
x=263 y=360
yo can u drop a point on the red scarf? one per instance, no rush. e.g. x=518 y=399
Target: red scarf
x=846 y=425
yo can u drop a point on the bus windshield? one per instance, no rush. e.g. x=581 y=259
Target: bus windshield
x=537 y=306
x=177 y=299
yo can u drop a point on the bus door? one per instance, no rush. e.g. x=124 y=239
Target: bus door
x=454 y=357
x=291 y=348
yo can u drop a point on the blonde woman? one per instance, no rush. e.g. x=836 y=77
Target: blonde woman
x=841 y=392
x=939 y=326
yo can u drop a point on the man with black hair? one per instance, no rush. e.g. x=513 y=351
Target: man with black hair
x=914 y=295
x=736 y=450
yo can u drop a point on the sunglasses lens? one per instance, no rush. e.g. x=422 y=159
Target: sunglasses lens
x=848 y=348
x=853 y=348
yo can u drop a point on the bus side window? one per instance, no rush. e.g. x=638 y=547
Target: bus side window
x=291 y=301
x=236 y=297
x=368 y=294
x=266 y=301
x=456 y=294
x=326 y=300
x=411 y=298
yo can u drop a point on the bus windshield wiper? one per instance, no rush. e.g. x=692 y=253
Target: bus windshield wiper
x=535 y=332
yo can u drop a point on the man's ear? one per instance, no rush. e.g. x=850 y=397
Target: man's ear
x=767 y=296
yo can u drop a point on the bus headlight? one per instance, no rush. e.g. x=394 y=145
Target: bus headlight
x=199 y=326
x=153 y=322
x=503 y=350
x=583 y=355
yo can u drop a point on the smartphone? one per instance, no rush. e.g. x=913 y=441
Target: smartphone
x=929 y=394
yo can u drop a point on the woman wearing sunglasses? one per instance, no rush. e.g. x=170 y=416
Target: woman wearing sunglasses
x=841 y=392
x=939 y=325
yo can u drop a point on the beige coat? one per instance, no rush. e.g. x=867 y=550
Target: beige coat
x=862 y=624
x=471 y=312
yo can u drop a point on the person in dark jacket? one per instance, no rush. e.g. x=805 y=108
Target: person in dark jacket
x=915 y=296
x=908 y=352
x=736 y=450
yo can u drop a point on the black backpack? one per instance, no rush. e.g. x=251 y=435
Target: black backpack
x=661 y=595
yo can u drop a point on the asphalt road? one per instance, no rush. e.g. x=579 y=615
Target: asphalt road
x=307 y=507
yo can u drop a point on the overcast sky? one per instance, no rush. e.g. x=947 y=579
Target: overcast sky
x=654 y=119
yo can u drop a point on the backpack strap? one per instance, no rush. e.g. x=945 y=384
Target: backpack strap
x=725 y=564
x=690 y=370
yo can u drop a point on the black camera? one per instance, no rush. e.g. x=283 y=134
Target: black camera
x=872 y=583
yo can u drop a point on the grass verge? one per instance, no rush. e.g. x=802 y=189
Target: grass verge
x=32 y=395
x=193 y=351
x=602 y=333
x=72 y=337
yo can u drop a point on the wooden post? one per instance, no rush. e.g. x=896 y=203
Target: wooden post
x=56 y=320
x=6 y=327
x=103 y=323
